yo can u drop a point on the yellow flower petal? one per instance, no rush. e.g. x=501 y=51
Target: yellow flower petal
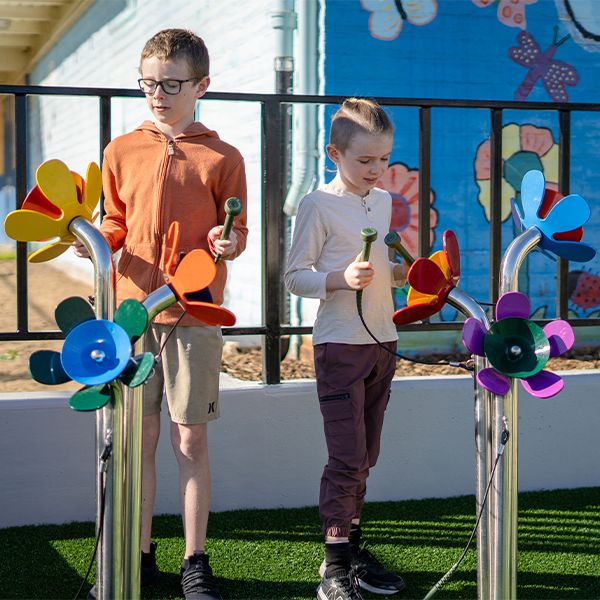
x=484 y=197
x=56 y=182
x=49 y=252
x=26 y=225
x=550 y=164
x=511 y=140
x=93 y=187
x=508 y=192
x=414 y=297
x=439 y=258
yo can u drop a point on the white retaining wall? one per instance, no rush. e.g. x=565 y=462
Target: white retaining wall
x=267 y=449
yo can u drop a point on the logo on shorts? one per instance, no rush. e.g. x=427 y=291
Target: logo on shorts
x=211 y=408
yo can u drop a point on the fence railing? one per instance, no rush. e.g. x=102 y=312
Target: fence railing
x=272 y=137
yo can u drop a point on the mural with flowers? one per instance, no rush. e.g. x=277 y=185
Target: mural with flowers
x=524 y=148
x=403 y=185
x=476 y=50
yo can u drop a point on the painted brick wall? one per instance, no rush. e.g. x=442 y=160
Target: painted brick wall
x=457 y=49
x=241 y=46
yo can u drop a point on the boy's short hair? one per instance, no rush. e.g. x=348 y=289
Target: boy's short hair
x=170 y=44
x=358 y=115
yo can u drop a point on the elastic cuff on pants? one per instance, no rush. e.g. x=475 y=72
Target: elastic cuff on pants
x=337 y=531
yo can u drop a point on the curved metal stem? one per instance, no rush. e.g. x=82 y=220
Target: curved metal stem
x=483 y=400
x=505 y=490
x=104 y=308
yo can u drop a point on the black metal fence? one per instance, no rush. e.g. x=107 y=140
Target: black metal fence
x=272 y=138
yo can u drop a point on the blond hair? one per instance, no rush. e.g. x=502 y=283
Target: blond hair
x=358 y=115
x=172 y=44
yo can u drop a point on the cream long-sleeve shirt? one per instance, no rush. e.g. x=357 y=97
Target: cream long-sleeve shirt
x=327 y=238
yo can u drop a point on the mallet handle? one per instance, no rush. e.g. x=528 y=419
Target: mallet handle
x=393 y=240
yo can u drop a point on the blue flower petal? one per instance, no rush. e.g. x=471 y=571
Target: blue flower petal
x=532 y=194
x=575 y=251
x=567 y=214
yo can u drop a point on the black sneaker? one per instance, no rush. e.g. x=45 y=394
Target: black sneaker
x=148 y=570
x=372 y=575
x=339 y=587
x=197 y=579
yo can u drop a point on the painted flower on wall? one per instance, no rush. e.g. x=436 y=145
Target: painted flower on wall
x=387 y=16
x=510 y=12
x=583 y=288
x=524 y=148
x=403 y=184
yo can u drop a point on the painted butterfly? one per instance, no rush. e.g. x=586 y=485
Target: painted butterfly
x=510 y=12
x=387 y=16
x=555 y=74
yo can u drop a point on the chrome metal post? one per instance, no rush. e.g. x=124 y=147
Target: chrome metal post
x=483 y=408
x=119 y=556
x=504 y=500
x=131 y=480
x=104 y=307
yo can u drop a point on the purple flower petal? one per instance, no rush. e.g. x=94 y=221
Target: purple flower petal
x=495 y=382
x=560 y=335
x=513 y=304
x=516 y=214
x=544 y=384
x=473 y=334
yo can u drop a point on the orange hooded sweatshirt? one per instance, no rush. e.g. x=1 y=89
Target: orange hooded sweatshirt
x=150 y=181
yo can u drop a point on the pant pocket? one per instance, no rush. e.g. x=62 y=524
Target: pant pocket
x=337 y=415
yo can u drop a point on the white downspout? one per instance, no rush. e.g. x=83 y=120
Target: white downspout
x=283 y=21
x=305 y=146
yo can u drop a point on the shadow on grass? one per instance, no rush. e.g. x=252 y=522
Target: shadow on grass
x=275 y=554
x=556 y=521
x=44 y=561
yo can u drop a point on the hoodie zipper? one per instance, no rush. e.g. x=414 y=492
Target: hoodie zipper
x=156 y=279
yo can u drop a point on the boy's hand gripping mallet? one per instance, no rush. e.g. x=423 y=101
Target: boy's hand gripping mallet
x=233 y=207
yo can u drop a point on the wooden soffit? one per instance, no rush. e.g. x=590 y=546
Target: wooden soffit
x=29 y=28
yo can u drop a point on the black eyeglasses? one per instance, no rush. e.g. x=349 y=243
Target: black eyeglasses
x=169 y=86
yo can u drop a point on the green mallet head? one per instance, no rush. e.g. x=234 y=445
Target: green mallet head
x=392 y=240
x=368 y=235
x=233 y=206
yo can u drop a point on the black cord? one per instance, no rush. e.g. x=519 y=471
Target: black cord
x=444 y=580
x=103 y=468
x=459 y=365
x=164 y=343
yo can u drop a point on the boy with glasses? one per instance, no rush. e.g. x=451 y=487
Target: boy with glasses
x=175 y=169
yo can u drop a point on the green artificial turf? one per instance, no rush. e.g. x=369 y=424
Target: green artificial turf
x=268 y=554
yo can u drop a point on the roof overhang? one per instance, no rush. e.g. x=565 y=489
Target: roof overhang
x=29 y=28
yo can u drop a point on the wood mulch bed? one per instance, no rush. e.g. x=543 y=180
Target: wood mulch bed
x=49 y=285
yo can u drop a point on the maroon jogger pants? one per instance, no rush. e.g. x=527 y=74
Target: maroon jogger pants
x=353 y=383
